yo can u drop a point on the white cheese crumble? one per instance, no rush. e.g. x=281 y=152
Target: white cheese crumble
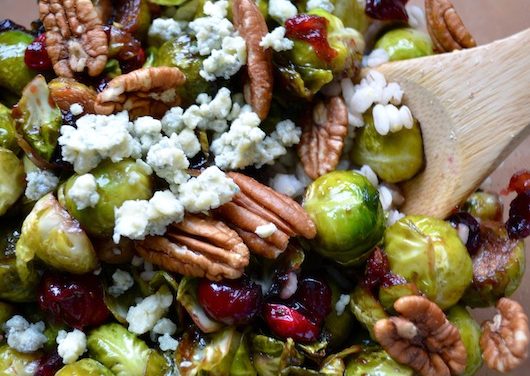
x=168 y=161
x=226 y=61
x=147 y=131
x=375 y=58
x=71 y=345
x=167 y=343
x=342 y=303
x=76 y=109
x=287 y=184
x=164 y=326
x=321 y=4
x=121 y=282
x=276 y=40
x=143 y=316
x=218 y=9
x=84 y=192
x=210 y=32
x=39 y=183
x=281 y=10
x=189 y=143
x=211 y=189
x=264 y=231
x=24 y=336
x=166 y=29
x=287 y=133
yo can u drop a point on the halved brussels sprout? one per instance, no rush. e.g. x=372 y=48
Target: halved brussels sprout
x=470 y=334
x=13 y=362
x=116 y=183
x=12 y=179
x=334 y=364
x=374 y=361
x=395 y=157
x=84 y=367
x=366 y=308
x=7 y=129
x=428 y=252
x=271 y=356
x=53 y=236
x=486 y=206
x=405 y=43
x=14 y=74
x=349 y=218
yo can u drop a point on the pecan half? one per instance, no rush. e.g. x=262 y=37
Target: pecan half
x=67 y=91
x=422 y=338
x=199 y=246
x=445 y=27
x=146 y=91
x=75 y=38
x=504 y=340
x=323 y=136
x=256 y=205
x=252 y=26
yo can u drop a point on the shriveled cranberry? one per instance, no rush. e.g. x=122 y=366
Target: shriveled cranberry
x=230 y=301
x=386 y=10
x=473 y=238
x=124 y=47
x=133 y=62
x=519 y=182
x=312 y=29
x=49 y=364
x=287 y=322
x=36 y=57
x=77 y=300
x=518 y=224
x=315 y=296
x=376 y=268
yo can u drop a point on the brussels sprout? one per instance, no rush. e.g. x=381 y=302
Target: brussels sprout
x=334 y=364
x=486 y=206
x=470 y=333
x=348 y=215
x=338 y=326
x=395 y=157
x=12 y=179
x=116 y=183
x=498 y=266
x=38 y=118
x=352 y=14
x=389 y=294
x=242 y=365
x=405 y=43
x=122 y=352
x=13 y=362
x=428 y=252
x=374 y=361
x=53 y=236
x=7 y=129
x=270 y=355
x=14 y=74
x=84 y=367
x=366 y=308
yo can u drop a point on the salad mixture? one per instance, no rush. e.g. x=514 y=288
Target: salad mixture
x=192 y=187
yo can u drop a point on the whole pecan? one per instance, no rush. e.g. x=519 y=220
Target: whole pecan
x=445 y=27
x=323 y=134
x=199 y=246
x=422 y=338
x=146 y=91
x=504 y=340
x=75 y=38
x=252 y=26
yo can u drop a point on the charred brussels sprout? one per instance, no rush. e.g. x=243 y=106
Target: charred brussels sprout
x=7 y=129
x=395 y=157
x=84 y=367
x=498 y=266
x=405 y=43
x=270 y=355
x=116 y=183
x=366 y=308
x=14 y=74
x=13 y=362
x=374 y=361
x=469 y=331
x=486 y=206
x=12 y=179
x=428 y=252
x=349 y=218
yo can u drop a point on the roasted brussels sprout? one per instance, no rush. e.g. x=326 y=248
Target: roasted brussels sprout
x=428 y=252
x=486 y=206
x=498 y=266
x=53 y=236
x=116 y=183
x=338 y=324
x=270 y=355
x=395 y=157
x=469 y=331
x=304 y=82
x=349 y=218
x=13 y=362
x=352 y=14
x=389 y=294
x=374 y=361
x=7 y=129
x=366 y=308
x=123 y=353
x=405 y=43
x=84 y=367
x=14 y=74
x=12 y=179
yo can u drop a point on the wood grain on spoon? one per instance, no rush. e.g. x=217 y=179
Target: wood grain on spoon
x=474 y=108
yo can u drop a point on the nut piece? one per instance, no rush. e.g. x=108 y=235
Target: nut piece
x=198 y=246
x=504 y=340
x=323 y=137
x=251 y=25
x=446 y=28
x=145 y=91
x=256 y=205
x=75 y=38
x=67 y=91
x=422 y=338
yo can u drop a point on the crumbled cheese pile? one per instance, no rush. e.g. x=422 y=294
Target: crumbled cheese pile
x=165 y=328
x=143 y=316
x=83 y=192
x=166 y=29
x=39 y=183
x=71 y=345
x=24 y=336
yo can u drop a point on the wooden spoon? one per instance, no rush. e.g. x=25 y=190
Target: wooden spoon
x=474 y=109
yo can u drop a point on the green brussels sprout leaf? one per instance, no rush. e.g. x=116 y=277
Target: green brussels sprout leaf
x=270 y=355
x=376 y=361
x=241 y=364
x=8 y=139
x=12 y=179
x=14 y=363
x=84 y=367
x=366 y=308
x=334 y=364
x=469 y=331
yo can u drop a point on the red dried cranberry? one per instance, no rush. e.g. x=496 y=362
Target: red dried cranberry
x=519 y=182
x=311 y=29
x=77 y=300
x=473 y=239
x=49 y=364
x=286 y=322
x=376 y=268
x=518 y=224
x=315 y=296
x=387 y=9
x=36 y=57
x=230 y=301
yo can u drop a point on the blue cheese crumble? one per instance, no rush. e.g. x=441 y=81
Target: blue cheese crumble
x=39 y=183
x=83 y=192
x=122 y=281
x=144 y=316
x=168 y=161
x=24 y=336
x=276 y=40
x=71 y=345
x=281 y=10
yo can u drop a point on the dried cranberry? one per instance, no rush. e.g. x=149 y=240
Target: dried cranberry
x=77 y=300
x=36 y=57
x=133 y=62
x=387 y=9
x=287 y=322
x=126 y=49
x=49 y=364
x=231 y=301
x=466 y=219
x=9 y=25
x=311 y=29
x=518 y=224
x=519 y=182
x=376 y=268
x=315 y=296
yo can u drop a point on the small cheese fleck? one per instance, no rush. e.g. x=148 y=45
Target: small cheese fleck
x=24 y=336
x=342 y=303
x=76 y=109
x=122 y=281
x=143 y=316
x=276 y=40
x=281 y=10
x=83 y=192
x=71 y=345
x=226 y=61
x=165 y=326
x=264 y=231
x=209 y=33
x=165 y=29
x=39 y=183
x=167 y=342
x=218 y=9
